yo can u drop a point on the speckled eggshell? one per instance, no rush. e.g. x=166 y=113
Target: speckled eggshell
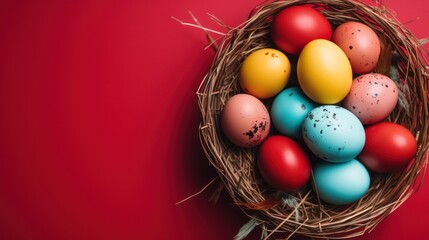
x=333 y=133
x=372 y=97
x=361 y=45
x=245 y=120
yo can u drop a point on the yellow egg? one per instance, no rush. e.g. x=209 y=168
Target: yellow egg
x=324 y=72
x=264 y=73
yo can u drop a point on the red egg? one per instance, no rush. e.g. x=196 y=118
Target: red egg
x=360 y=43
x=283 y=163
x=389 y=147
x=295 y=26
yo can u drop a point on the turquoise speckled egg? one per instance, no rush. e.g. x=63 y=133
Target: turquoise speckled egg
x=288 y=111
x=333 y=133
x=341 y=183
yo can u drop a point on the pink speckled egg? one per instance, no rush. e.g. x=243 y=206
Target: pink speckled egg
x=372 y=97
x=361 y=45
x=245 y=120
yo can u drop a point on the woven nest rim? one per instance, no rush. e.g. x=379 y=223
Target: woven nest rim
x=303 y=212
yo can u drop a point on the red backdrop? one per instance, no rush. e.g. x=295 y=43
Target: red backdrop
x=98 y=122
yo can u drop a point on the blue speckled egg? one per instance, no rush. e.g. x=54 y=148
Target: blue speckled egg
x=288 y=111
x=341 y=183
x=333 y=133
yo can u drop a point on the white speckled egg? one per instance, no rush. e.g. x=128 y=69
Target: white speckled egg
x=372 y=97
x=245 y=120
x=333 y=133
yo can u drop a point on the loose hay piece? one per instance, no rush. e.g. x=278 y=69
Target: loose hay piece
x=402 y=58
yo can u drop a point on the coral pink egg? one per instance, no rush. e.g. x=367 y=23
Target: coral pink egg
x=361 y=45
x=245 y=120
x=372 y=97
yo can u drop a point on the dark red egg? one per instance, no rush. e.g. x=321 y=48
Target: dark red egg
x=283 y=163
x=295 y=26
x=389 y=147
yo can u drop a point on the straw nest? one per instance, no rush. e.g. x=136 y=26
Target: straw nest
x=303 y=213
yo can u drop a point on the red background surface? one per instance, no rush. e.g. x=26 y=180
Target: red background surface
x=98 y=122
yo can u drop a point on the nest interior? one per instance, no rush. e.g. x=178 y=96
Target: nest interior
x=303 y=212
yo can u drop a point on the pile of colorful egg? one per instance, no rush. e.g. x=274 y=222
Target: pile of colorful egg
x=328 y=121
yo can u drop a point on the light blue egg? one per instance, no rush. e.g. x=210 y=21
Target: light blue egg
x=288 y=111
x=333 y=133
x=341 y=183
